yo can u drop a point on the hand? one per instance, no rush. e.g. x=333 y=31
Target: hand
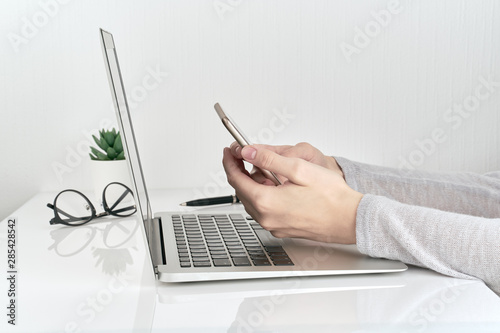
x=301 y=150
x=314 y=202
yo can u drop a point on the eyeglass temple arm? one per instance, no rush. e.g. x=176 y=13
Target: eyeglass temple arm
x=124 y=209
x=127 y=191
x=70 y=217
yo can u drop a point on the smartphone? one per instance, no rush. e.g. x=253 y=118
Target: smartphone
x=241 y=139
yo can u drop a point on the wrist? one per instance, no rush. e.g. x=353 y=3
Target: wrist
x=334 y=166
x=353 y=200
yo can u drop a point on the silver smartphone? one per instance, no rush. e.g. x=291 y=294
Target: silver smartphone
x=241 y=139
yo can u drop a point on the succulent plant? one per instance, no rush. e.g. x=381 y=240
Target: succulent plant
x=111 y=144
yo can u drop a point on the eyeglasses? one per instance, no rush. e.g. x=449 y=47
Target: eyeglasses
x=73 y=208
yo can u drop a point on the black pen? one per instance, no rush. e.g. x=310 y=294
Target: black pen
x=212 y=201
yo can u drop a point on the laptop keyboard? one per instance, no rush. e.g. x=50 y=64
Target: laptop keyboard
x=205 y=240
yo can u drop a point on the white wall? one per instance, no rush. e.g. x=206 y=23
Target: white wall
x=382 y=104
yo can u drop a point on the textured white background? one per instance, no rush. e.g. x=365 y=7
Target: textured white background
x=254 y=58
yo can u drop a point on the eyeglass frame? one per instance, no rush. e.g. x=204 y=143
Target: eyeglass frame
x=107 y=211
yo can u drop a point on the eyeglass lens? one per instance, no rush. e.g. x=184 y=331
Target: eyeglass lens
x=73 y=208
x=118 y=200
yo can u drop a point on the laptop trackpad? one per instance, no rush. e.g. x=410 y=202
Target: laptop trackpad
x=312 y=255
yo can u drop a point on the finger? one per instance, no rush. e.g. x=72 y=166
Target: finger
x=237 y=178
x=259 y=177
x=301 y=150
x=295 y=169
x=236 y=149
x=238 y=163
x=256 y=173
x=249 y=208
x=277 y=149
x=281 y=234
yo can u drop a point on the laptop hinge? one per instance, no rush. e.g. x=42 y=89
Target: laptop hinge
x=156 y=245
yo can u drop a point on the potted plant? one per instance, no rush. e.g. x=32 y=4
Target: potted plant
x=108 y=162
x=111 y=146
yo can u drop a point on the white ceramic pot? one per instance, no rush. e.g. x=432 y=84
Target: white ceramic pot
x=105 y=172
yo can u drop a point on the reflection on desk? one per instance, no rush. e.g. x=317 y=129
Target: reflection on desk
x=115 y=239
x=99 y=278
x=376 y=303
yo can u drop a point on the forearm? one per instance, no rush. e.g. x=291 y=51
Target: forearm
x=453 y=244
x=465 y=193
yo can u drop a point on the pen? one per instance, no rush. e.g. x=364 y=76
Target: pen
x=212 y=201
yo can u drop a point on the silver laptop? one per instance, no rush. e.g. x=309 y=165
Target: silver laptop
x=217 y=245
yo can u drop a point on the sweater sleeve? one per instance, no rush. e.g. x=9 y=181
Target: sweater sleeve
x=465 y=193
x=446 y=222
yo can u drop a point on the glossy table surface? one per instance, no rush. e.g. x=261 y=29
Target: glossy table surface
x=98 y=277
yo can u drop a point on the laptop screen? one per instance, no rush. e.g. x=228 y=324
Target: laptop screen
x=127 y=131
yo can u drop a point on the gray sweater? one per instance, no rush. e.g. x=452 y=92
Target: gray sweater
x=448 y=222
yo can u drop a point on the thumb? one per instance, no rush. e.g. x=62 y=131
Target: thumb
x=294 y=169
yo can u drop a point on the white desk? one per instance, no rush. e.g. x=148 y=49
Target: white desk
x=98 y=278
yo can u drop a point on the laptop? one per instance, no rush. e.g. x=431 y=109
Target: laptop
x=214 y=245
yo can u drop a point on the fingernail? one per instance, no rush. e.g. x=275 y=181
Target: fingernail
x=248 y=153
x=237 y=149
